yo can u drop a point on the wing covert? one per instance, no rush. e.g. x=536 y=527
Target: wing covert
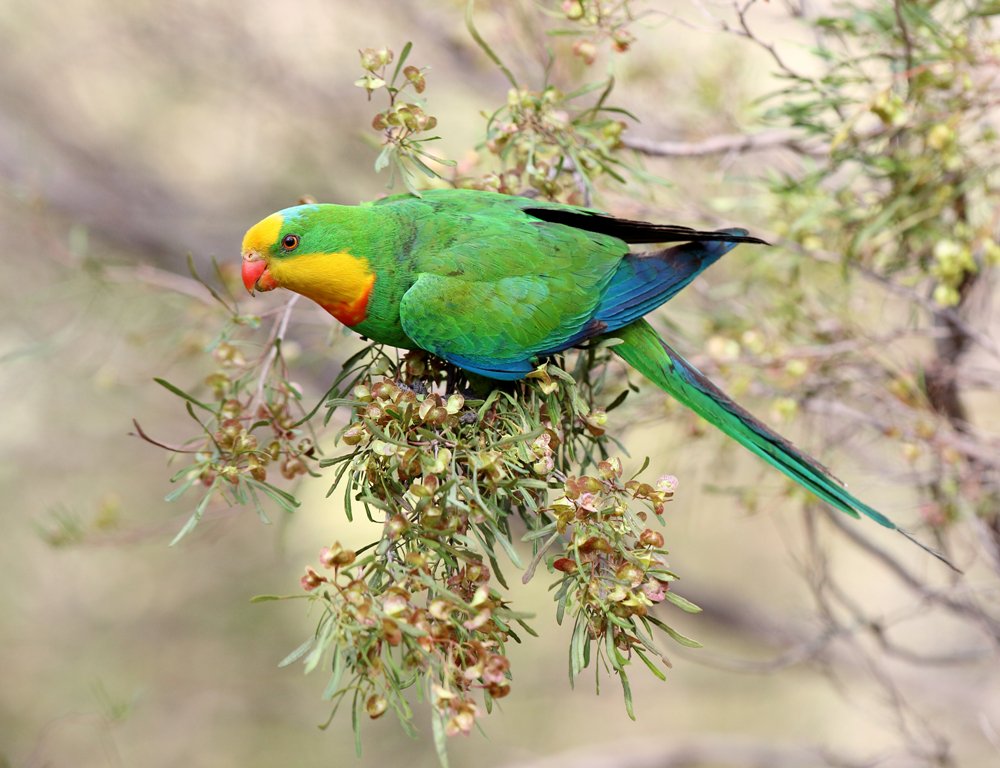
x=495 y=327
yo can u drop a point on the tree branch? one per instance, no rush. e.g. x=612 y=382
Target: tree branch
x=737 y=143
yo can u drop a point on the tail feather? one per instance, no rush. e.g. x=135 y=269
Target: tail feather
x=644 y=350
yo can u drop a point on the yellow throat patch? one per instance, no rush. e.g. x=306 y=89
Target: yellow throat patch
x=338 y=282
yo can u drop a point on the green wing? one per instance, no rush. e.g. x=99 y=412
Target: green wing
x=495 y=286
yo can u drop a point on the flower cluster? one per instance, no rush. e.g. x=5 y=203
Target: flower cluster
x=393 y=625
x=614 y=566
x=403 y=123
x=546 y=144
x=909 y=178
x=452 y=477
x=252 y=423
x=233 y=448
x=604 y=20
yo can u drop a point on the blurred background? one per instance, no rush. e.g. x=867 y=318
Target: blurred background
x=135 y=133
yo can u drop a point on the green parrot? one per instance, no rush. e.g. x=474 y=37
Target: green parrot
x=492 y=283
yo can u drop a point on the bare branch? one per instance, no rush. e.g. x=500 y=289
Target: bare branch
x=984 y=340
x=160 y=278
x=725 y=144
x=980 y=450
x=278 y=332
x=950 y=602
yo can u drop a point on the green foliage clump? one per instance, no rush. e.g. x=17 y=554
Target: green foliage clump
x=457 y=482
x=907 y=184
x=543 y=141
x=252 y=423
x=404 y=124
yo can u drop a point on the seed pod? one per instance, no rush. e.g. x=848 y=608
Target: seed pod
x=630 y=574
x=376 y=706
x=396 y=526
x=354 y=434
x=651 y=538
x=565 y=564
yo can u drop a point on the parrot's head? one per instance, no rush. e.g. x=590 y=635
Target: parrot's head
x=304 y=249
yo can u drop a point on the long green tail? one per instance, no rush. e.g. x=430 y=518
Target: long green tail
x=645 y=351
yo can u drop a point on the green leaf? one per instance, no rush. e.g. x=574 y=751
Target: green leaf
x=382 y=161
x=298 y=653
x=491 y=398
x=421 y=165
x=627 y=692
x=356 y=720
x=578 y=642
x=527 y=628
x=269 y=598
x=181 y=393
x=402 y=59
x=677 y=636
x=336 y=673
x=440 y=737
x=508 y=548
x=474 y=33
x=218 y=272
x=179 y=491
x=682 y=603
x=649 y=664
x=196 y=517
x=522 y=438
x=283 y=499
x=562 y=598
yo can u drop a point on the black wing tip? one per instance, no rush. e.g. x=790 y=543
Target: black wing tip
x=931 y=551
x=727 y=238
x=637 y=231
x=717 y=236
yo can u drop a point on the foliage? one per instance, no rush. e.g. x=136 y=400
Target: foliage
x=447 y=475
x=542 y=141
x=252 y=422
x=894 y=182
x=403 y=124
x=912 y=167
x=427 y=605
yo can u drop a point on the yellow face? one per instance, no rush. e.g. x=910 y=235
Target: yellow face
x=278 y=252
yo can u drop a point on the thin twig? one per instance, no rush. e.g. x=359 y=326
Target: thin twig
x=278 y=331
x=736 y=143
x=745 y=31
x=142 y=434
x=980 y=450
x=953 y=604
x=160 y=278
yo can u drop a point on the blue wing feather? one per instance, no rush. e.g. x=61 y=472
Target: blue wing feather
x=645 y=281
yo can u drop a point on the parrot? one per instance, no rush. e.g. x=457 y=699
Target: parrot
x=495 y=283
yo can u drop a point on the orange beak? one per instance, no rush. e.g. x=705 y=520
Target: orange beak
x=255 y=273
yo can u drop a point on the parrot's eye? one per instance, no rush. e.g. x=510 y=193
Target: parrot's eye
x=290 y=242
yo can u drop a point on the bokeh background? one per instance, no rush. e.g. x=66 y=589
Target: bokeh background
x=134 y=133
